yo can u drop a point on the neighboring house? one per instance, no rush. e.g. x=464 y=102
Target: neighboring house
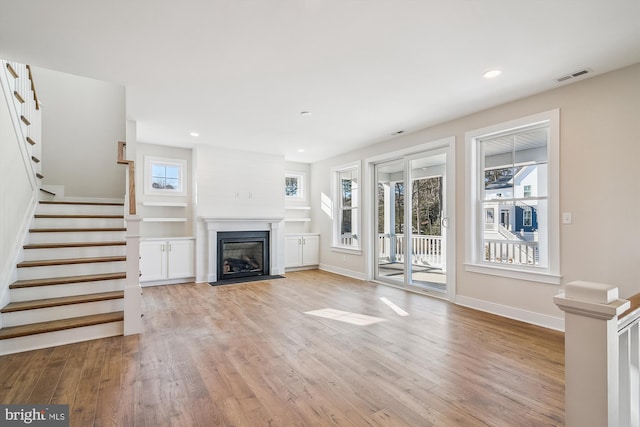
x=519 y=219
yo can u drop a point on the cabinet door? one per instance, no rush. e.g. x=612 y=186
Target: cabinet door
x=153 y=260
x=180 y=259
x=292 y=251
x=310 y=250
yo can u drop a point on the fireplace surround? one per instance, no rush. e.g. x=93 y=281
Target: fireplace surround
x=276 y=240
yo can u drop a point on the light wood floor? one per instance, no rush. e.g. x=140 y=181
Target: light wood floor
x=248 y=355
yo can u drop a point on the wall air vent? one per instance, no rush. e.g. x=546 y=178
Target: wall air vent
x=573 y=75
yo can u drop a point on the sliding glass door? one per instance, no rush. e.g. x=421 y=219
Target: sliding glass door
x=411 y=221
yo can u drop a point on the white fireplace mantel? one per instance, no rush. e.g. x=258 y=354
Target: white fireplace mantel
x=275 y=225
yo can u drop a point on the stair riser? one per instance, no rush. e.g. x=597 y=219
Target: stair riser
x=67 y=336
x=66 y=253
x=70 y=270
x=61 y=312
x=68 y=237
x=66 y=290
x=77 y=223
x=79 y=210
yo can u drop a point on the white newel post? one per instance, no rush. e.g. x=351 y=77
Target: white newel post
x=132 y=289
x=591 y=353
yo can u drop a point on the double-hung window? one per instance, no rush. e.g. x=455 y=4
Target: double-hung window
x=513 y=198
x=346 y=200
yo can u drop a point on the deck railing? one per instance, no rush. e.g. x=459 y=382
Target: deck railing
x=425 y=249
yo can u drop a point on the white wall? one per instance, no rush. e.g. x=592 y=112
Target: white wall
x=599 y=173
x=292 y=227
x=234 y=184
x=166 y=229
x=18 y=196
x=82 y=121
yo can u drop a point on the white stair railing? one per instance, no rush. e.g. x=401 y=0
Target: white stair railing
x=602 y=356
x=629 y=365
x=132 y=289
x=19 y=87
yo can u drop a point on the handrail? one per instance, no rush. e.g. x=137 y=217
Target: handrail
x=132 y=181
x=631 y=314
x=33 y=87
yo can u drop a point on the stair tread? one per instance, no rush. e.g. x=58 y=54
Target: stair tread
x=56 y=302
x=48 y=192
x=71 y=230
x=61 y=202
x=66 y=280
x=62 y=324
x=78 y=216
x=72 y=245
x=66 y=261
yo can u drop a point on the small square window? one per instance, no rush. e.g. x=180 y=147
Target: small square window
x=293 y=186
x=164 y=176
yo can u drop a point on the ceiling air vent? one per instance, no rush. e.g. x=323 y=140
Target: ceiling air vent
x=573 y=75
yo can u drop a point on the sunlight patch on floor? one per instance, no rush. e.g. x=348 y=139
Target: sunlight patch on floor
x=345 y=316
x=394 y=307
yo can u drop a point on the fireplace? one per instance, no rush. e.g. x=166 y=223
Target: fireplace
x=242 y=254
x=273 y=227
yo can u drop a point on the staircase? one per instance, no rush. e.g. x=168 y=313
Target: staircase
x=71 y=282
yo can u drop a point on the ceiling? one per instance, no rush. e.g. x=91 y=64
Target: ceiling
x=240 y=72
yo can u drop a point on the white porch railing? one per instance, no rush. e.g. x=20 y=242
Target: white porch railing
x=602 y=356
x=425 y=249
x=511 y=252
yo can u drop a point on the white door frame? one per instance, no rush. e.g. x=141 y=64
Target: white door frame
x=448 y=146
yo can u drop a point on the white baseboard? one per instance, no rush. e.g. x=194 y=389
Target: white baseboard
x=343 y=271
x=538 y=319
x=167 y=282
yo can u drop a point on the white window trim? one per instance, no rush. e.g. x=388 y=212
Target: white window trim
x=474 y=217
x=148 y=180
x=302 y=194
x=335 y=194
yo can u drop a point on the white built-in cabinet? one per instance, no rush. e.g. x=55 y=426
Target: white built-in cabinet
x=302 y=250
x=166 y=260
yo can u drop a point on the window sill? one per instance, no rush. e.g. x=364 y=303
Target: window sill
x=346 y=250
x=532 y=276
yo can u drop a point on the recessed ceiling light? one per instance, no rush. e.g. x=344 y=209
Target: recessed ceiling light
x=305 y=113
x=492 y=74
x=300 y=150
x=194 y=134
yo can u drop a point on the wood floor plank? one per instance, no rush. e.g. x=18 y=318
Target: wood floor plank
x=45 y=388
x=249 y=355
x=86 y=399
x=108 y=399
x=21 y=381
x=67 y=387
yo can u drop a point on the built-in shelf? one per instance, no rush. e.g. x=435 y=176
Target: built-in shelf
x=166 y=204
x=297 y=219
x=164 y=219
x=302 y=208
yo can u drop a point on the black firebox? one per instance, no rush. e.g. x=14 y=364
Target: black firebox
x=242 y=254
